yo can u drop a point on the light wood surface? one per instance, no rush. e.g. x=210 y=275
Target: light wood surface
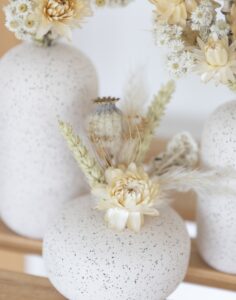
x=13 y=242
x=198 y=272
x=11 y=261
x=18 y=286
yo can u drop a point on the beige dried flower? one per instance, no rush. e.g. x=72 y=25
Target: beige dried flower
x=216 y=60
x=60 y=16
x=128 y=195
x=174 y=12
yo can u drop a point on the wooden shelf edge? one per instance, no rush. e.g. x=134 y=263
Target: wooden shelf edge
x=18 y=286
x=12 y=242
x=200 y=273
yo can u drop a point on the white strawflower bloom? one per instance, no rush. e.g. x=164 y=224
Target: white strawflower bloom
x=176 y=30
x=13 y=24
x=176 y=45
x=180 y=63
x=30 y=24
x=165 y=33
x=23 y=7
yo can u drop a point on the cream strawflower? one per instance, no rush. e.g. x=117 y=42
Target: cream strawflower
x=174 y=11
x=60 y=16
x=216 y=60
x=128 y=195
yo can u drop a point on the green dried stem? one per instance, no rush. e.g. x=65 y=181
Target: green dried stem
x=93 y=172
x=154 y=115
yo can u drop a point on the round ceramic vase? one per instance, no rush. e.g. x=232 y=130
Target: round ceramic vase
x=86 y=260
x=39 y=86
x=216 y=214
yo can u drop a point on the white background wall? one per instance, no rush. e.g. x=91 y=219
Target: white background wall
x=117 y=40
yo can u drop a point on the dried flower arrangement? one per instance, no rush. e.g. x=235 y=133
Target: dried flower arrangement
x=200 y=38
x=127 y=189
x=43 y=21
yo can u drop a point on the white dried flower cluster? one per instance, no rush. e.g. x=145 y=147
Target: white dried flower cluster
x=203 y=16
x=205 y=41
x=21 y=19
x=45 y=20
x=180 y=63
x=179 y=60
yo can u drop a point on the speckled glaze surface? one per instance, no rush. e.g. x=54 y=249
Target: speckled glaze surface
x=216 y=215
x=38 y=173
x=86 y=260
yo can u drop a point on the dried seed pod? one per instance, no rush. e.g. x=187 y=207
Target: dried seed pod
x=105 y=129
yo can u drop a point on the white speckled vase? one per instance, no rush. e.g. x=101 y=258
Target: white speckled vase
x=216 y=215
x=86 y=260
x=38 y=173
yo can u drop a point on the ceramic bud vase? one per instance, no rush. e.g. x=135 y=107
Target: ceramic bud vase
x=39 y=85
x=87 y=260
x=216 y=214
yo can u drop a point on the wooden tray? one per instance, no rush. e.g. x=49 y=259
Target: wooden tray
x=17 y=286
x=198 y=271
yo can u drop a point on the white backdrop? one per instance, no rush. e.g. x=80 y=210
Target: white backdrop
x=118 y=40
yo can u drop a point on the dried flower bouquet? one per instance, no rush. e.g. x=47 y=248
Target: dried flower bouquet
x=44 y=21
x=126 y=188
x=200 y=37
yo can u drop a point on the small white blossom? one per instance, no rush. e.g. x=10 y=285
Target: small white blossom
x=180 y=63
x=165 y=33
x=23 y=7
x=13 y=24
x=30 y=24
x=176 y=45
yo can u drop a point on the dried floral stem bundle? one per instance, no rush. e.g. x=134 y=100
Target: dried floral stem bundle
x=126 y=189
x=198 y=38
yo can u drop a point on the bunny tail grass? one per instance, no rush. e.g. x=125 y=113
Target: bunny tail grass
x=203 y=182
